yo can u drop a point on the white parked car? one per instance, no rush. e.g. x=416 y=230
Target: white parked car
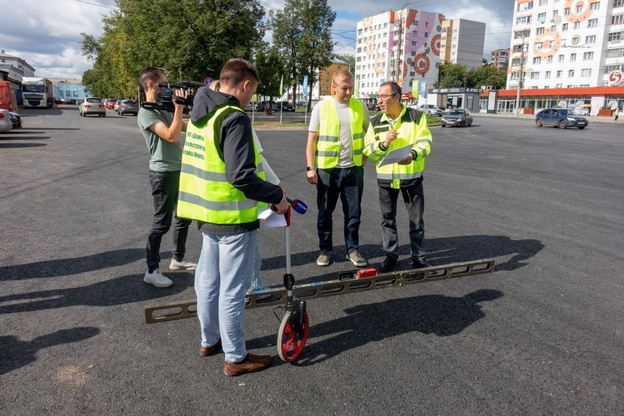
x=5 y=121
x=430 y=109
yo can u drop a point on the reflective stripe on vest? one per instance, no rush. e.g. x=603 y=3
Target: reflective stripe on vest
x=205 y=193
x=328 y=142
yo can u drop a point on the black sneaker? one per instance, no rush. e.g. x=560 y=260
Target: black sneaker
x=419 y=264
x=388 y=264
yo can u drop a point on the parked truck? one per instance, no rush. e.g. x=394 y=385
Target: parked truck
x=37 y=92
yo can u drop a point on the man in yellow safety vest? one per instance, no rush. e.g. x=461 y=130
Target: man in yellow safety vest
x=404 y=131
x=335 y=164
x=222 y=184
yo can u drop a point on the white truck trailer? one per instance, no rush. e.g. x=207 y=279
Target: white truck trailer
x=37 y=92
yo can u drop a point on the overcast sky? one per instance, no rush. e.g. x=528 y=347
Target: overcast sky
x=46 y=33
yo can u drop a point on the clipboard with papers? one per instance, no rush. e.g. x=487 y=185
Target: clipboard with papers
x=395 y=155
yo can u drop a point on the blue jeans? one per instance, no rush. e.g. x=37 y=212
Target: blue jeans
x=348 y=184
x=256 y=281
x=222 y=279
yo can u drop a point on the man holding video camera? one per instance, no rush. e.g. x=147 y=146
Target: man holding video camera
x=161 y=130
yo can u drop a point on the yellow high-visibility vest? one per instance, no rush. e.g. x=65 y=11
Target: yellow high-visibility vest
x=205 y=193
x=328 y=141
x=411 y=128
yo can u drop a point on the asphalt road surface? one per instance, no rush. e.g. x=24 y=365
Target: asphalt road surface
x=543 y=334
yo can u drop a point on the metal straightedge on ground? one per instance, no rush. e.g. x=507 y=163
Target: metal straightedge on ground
x=271 y=297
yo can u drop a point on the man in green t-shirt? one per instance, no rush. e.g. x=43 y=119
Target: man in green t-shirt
x=161 y=130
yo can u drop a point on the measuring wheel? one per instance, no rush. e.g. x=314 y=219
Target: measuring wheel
x=292 y=335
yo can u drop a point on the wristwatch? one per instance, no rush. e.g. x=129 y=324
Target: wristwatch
x=309 y=168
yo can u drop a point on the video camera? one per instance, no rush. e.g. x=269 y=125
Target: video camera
x=167 y=96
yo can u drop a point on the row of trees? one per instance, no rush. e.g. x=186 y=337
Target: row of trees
x=194 y=38
x=456 y=75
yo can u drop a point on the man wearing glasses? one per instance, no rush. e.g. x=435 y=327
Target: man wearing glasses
x=399 y=128
x=335 y=164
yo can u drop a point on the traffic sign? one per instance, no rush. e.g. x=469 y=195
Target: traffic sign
x=207 y=81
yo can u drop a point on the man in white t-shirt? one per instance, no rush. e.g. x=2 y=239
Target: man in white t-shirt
x=335 y=164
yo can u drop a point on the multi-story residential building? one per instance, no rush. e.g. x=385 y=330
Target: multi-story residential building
x=566 y=43
x=397 y=46
x=500 y=58
x=462 y=42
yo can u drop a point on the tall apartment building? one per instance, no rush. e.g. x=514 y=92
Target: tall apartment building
x=499 y=58
x=397 y=46
x=566 y=43
x=462 y=42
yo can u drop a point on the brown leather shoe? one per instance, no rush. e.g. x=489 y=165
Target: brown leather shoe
x=207 y=351
x=250 y=364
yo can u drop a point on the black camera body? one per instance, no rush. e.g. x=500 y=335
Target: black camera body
x=167 y=95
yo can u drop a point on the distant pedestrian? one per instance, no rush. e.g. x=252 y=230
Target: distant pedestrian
x=617 y=113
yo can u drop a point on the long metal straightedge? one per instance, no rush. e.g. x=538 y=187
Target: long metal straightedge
x=271 y=297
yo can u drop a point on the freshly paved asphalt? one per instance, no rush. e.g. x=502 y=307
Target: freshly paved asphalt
x=543 y=334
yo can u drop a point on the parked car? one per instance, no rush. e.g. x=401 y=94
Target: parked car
x=5 y=121
x=560 y=117
x=286 y=107
x=430 y=109
x=16 y=120
x=116 y=105
x=457 y=117
x=250 y=107
x=128 y=107
x=92 y=105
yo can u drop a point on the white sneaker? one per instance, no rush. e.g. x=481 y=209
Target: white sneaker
x=182 y=265
x=157 y=279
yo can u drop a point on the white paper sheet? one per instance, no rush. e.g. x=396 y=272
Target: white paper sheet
x=271 y=219
x=396 y=155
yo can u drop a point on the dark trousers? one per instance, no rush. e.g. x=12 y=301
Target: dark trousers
x=414 y=199
x=348 y=184
x=165 y=192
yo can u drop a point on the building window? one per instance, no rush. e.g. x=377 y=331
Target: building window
x=570 y=73
x=617 y=19
x=561 y=58
x=535 y=75
x=566 y=11
x=588 y=56
x=537 y=60
x=539 y=31
x=538 y=46
x=579 y=9
x=559 y=73
x=543 y=2
x=523 y=20
x=590 y=39
x=525 y=6
x=549 y=59
x=547 y=74
x=555 y=13
x=615 y=53
x=596 y=5
x=616 y=3
x=572 y=57
x=541 y=17
x=426 y=24
x=564 y=27
x=586 y=72
x=576 y=40
x=577 y=25
x=515 y=62
x=553 y=29
x=592 y=23
x=615 y=36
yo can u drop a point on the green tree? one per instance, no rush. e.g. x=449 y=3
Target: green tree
x=191 y=38
x=488 y=75
x=302 y=35
x=452 y=75
x=270 y=69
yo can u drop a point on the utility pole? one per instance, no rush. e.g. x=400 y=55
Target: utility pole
x=399 y=52
x=520 y=76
